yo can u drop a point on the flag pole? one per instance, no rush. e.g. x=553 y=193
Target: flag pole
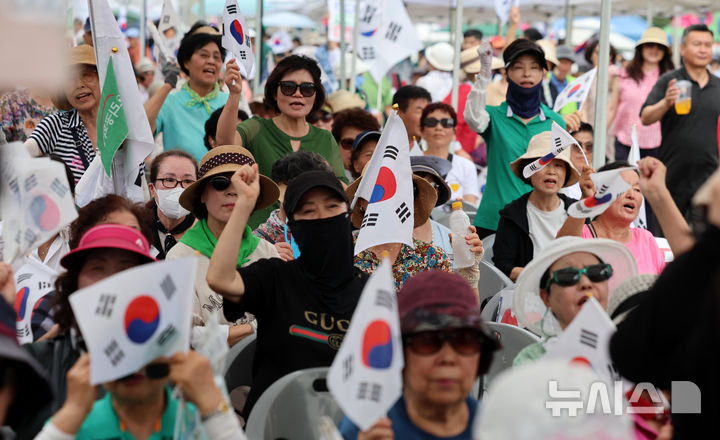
x=456 y=53
x=601 y=98
x=343 y=48
x=353 y=63
x=143 y=27
x=379 y=96
x=258 y=47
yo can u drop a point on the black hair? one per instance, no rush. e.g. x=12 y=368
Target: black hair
x=404 y=94
x=590 y=48
x=155 y=164
x=475 y=33
x=355 y=118
x=584 y=126
x=191 y=42
x=289 y=64
x=616 y=165
x=289 y=167
x=212 y=122
x=532 y=34
x=696 y=28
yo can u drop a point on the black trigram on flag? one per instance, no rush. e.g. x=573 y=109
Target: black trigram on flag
x=391 y=152
x=384 y=299
x=588 y=338
x=30 y=182
x=58 y=187
x=232 y=9
x=558 y=142
x=403 y=212
x=369 y=391
x=367 y=53
x=114 y=352
x=347 y=367
x=370 y=219
x=393 y=31
x=368 y=14
x=166 y=19
x=105 y=305
x=243 y=54
x=168 y=286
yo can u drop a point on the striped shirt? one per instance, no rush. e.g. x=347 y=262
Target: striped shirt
x=65 y=135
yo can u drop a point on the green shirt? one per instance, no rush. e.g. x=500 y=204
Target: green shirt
x=530 y=354
x=507 y=138
x=268 y=144
x=103 y=424
x=370 y=89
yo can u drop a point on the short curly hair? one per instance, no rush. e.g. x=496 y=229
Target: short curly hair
x=356 y=118
x=96 y=211
x=447 y=108
x=192 y=42
x=290 y=64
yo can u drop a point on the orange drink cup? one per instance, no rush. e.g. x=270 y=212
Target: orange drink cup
x=683 y=103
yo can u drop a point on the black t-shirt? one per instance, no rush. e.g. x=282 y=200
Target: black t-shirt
x=689 y=145
x=299 y=324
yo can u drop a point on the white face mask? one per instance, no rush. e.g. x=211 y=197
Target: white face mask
x=169 y=202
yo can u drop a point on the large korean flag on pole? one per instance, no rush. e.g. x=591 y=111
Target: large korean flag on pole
x=576 y=91
x=386 y=35
x=109 y=42
x=235 y=38
x=132 y=318
x=366 y=376
x=387 y=187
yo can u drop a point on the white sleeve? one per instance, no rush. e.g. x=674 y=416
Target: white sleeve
x=51 y=432
x=476 y=116
x=224 y=426
x=33 y=148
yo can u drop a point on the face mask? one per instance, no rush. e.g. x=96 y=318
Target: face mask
x=293 y=244
x=169 y=203
x=524 y=102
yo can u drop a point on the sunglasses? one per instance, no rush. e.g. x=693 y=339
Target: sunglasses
x=319 y=116
x=288 y=88
x=219 y=183
x=158 y=370
x=570 y=276
x=347 y=143
x=445 y=122
x=464 y=341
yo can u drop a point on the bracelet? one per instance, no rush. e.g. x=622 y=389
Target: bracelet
x=221 y=408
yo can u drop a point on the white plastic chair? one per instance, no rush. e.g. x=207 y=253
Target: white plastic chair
x=238 y=365
x=488 y=243
x=512 y=340
x=491 y=281
x=291 y=407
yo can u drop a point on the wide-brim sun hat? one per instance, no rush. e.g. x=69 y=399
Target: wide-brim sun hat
x=109 y=236
x=497 y=63
x=83 y=54
x=423 y=203
x=440 y=56
x=226 y=159
x=539 y=146
x=653 y=35
x=343 y=99
x=529 y=308
x=470 y=60
x=550 y=51
x=436 y=167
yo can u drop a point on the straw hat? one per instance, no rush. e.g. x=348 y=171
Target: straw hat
x=654 y=35
x=539 y=146
x=497 y=63
x=529 y=308
x=470 y=60
x=423 y=206
x=343 y=99
x=440 y=56
x=83 y=54
x=550 y=51
x=628 y=295
x=226 y=159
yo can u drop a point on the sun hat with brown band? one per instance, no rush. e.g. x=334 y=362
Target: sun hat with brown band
x=83 y=54
x=539 y=146
x=225 y=160
x=424 y=201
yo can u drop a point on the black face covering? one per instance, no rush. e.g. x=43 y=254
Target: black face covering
x=524 y=102
x=326 y=249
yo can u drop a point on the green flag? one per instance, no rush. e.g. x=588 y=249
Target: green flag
x=112 y=128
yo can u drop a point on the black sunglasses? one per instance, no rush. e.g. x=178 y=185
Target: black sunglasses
x=464 y=341
x=347 y=143
x=445 y=122
x=220 y=183
x=319 y=116
x=288 y=88
x=570 y=276
x=158 y=370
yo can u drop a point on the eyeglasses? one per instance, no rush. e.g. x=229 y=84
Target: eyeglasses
x=314 y=117
x=445 y=122
x=347 y=143
x=288 y=88
x=219 y=183
x=464 y=341
x=171 y=182
x=570 y=276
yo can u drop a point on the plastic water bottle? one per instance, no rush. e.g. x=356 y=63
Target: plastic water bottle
x=459 y=223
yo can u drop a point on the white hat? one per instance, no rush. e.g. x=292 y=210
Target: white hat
x=280 y=42
x=529 y=308
x=440 y=56
x=627 y=290
x=550 y=51
x=516 y=406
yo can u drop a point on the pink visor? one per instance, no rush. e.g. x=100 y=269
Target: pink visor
x=109 y=236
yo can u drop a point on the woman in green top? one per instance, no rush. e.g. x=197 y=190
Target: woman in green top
x=293 y=90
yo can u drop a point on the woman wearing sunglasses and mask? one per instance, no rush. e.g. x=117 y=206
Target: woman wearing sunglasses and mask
x=438 y=122
x=293 y=90
x=446 y=347
x=554 y=286
x=211 y=200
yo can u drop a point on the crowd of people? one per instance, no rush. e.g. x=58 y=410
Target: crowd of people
x=259 y=190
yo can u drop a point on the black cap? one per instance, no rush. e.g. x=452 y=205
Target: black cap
x=306 y=181
x=523 y=46
x=439 y=168
x=364 y=137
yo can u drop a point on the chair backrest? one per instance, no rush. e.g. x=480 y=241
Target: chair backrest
x=290 y=408
x=238 y=365
x=513 y=340
x=488 y=243
x=491 y=281
x=488 y=312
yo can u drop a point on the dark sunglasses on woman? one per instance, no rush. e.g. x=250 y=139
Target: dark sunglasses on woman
x=347 y=143
x=465 y=341
x=445 y=122
x=570 y=276
x=288 y=88
x=319 y=115
x=219 y=183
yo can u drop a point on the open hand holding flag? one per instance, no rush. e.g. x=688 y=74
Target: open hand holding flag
x=609 y=185
x=366 y=376
x=560 y=139
x=576 y=91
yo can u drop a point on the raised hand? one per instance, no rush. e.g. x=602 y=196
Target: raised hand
x=246 y=182
x=587 y=187
x=232 y=77
x=485 y=52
